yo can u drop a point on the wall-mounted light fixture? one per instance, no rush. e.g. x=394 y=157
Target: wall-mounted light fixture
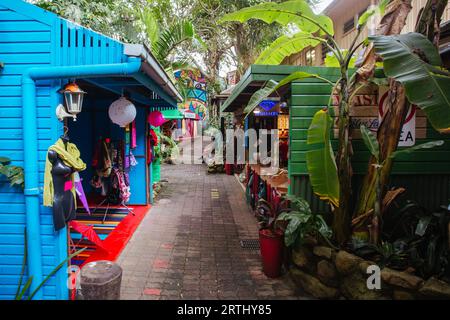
x=73 y=97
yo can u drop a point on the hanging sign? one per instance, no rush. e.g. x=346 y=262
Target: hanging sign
x=408 y=134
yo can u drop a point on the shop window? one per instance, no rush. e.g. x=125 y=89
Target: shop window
x=310 y=57
x=349 y=25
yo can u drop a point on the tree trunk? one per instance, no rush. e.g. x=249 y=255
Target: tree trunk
x=392 y=123
x=341 y=222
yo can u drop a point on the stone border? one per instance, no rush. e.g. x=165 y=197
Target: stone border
x=329 y=274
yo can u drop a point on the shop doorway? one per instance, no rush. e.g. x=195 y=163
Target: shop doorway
x=116 y=178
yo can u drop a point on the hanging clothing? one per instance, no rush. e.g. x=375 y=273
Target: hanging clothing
x=152 y=141
x=102 y=159
x=133 y=135
x=80 y=192
x=70 y=155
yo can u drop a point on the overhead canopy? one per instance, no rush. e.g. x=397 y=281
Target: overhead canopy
x=253 y=80
x=172 y=114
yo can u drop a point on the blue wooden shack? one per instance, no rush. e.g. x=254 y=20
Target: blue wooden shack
x=42 y=52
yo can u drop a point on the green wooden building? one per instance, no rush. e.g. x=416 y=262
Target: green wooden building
x=425 y=174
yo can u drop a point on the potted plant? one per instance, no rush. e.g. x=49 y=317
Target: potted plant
x=270 y=236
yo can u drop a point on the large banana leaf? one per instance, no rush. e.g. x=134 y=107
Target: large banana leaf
x=426 y=145
x=290 y=12
x=285 y=46
x=412 y=60
x=272 y=85
x=320 y=161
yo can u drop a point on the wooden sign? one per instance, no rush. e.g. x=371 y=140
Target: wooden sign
x=368 y=109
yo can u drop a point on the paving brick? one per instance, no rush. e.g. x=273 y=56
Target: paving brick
x=188 y=247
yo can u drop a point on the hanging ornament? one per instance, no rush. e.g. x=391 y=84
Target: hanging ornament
x=122 y=112
x=156 y=118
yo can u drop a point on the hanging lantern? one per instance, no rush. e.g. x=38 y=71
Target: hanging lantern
x=73 y=97
x=122 y=112
x=156 y=118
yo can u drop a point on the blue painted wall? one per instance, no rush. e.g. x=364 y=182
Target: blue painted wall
x=31 y=37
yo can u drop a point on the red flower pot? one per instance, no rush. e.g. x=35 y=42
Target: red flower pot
x=229 y=169
x=271 y=246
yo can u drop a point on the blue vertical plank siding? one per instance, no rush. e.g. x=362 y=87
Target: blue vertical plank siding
x=24 y=43
x=31 y=37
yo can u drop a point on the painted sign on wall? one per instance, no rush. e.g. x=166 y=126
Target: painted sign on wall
x=196 y=96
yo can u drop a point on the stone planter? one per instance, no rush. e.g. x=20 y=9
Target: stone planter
x=325 y=273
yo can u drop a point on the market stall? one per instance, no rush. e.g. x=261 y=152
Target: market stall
x=304 y=98
x=58 y=72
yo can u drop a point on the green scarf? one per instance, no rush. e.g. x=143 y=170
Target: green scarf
x=70 y=155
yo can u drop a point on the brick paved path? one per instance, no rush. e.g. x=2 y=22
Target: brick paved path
x=188 y=247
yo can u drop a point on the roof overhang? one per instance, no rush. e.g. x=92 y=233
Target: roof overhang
x=253 y=80
x=153 y=69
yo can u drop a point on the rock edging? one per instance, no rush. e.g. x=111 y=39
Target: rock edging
x=329 y=274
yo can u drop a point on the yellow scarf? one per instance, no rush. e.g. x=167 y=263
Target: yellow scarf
x=70 y=155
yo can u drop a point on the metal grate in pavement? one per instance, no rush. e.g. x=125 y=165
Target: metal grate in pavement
x=250 y=244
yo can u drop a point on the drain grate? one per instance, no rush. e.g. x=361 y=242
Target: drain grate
x=250 y=244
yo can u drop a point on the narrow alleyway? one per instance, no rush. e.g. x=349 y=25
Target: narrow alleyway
x=188 y=245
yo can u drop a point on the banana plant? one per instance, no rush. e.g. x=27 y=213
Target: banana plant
x=414 y=61
x=314 y=28
x=373 y=146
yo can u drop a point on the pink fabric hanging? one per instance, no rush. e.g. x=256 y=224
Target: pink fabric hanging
x=133 y=135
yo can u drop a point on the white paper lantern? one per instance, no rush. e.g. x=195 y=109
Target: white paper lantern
x=122 y=112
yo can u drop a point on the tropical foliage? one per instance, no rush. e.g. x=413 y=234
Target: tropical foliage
x=414 y=61
x=320 y=159
x=299 y=223
x=14 y=174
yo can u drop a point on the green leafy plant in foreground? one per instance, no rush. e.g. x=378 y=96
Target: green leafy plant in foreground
x=302 y=223
x=372 y=144
x=22 y=290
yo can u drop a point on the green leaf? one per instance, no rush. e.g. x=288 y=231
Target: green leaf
x=290 y=12
x=5 y=160
x=427 y=145
x=272 y=86
x=320 y=161
x=371 y=142
x=24 y=263
x=151 y=24
x=25 y=288
x=179 y=32
x=412 y=60
x=332 y=62
x=299 y=204
x=285 y=46
x=372 y=10
x=290 y=234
